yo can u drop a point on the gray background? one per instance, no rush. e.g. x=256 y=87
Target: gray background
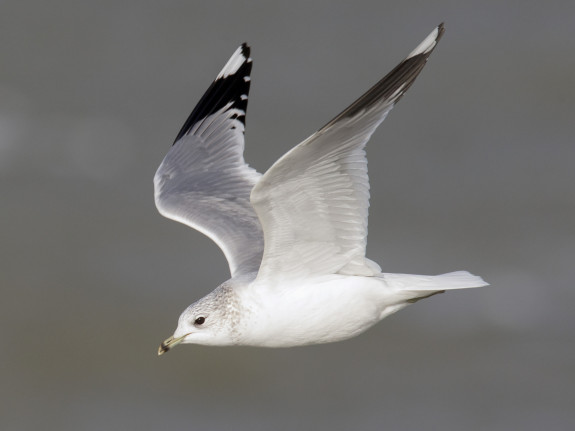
x=472 y=170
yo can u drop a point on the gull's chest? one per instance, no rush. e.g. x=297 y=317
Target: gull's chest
x=313 y=312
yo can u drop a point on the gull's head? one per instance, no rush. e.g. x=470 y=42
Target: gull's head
x=208 y=321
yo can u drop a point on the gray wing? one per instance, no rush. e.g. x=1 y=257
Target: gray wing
x=204 y=181
x=313 y=202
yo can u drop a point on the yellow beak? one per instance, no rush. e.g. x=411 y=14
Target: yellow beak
x=169 y=343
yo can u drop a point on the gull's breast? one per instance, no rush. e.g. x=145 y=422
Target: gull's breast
x=314 y=311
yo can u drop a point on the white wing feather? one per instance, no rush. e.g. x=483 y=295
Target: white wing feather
x=313 y=202
x=204 y=181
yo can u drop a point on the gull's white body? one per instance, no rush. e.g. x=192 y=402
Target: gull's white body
x=318 y=310
x=294 y=237
x=327 y=309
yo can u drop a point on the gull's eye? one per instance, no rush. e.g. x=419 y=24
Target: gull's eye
x=200 y=320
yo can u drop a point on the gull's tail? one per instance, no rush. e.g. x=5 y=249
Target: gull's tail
x=431 y=283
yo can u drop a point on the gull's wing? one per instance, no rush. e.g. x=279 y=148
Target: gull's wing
x=313 y=202
x=204 y=181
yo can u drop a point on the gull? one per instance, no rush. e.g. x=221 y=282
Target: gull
x=294 y=237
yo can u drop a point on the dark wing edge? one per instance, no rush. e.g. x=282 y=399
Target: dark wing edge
x=397 y=81
x=232 y=85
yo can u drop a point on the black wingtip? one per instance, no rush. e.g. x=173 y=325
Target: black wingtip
x=397 y=82
x=441 y=30
x=245 y=50
x=232 y=85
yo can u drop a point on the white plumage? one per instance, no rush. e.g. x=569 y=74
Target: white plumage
x=295 y=237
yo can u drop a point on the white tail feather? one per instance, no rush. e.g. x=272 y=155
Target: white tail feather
x=451 y=280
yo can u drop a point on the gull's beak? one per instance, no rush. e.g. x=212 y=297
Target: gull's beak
x=169 y=343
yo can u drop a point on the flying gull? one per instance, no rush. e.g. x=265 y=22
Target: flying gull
x=294 y=237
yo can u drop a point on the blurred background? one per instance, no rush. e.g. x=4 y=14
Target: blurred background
x=472 y=170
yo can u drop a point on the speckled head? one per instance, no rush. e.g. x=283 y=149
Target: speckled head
x=212 y=320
